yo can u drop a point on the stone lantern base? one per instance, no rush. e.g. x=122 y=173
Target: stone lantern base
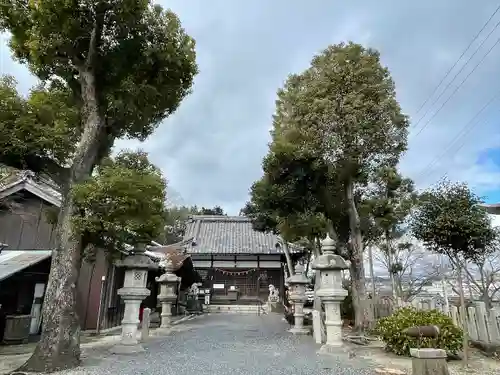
x=299 y=330
x=129 y=342
x=134 y=290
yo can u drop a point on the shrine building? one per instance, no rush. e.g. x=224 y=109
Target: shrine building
x=235 y=262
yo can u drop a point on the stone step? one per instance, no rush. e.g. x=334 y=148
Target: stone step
x=240 y=309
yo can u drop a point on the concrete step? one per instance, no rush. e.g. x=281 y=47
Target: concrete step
x=240 y=309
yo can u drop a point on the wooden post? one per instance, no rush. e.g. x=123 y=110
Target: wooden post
x=429 y=362
x=481 y=319
x=146 y=313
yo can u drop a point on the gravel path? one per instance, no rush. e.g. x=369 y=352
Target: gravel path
x=228 y=345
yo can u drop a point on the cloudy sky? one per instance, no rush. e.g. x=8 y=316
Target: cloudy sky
x=211 y=149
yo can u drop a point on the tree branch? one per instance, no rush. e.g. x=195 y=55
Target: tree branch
x=95 y=39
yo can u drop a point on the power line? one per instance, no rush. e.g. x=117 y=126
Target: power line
x=457 y=88
x=455 y=76
x=460 y=147
x=463 y=132
x=456 y=62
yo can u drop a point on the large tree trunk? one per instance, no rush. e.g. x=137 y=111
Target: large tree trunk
x=357 y=265
x=59 y=346
x=356 y=302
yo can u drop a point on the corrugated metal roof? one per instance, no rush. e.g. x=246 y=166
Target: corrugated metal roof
x=230 y=235
x=11 y=261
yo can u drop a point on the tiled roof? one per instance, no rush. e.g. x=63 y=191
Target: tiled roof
x=230 y=235
x=36 y=184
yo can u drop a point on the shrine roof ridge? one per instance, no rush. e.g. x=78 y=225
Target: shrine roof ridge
x=231 y=235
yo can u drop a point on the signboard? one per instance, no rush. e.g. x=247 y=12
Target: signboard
x=219 y=286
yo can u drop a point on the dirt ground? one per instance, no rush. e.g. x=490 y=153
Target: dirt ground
x=13 y=356
x=478 y=363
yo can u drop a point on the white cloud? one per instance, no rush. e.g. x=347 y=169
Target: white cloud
x=211 y=149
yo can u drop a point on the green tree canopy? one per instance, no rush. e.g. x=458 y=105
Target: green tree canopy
x=139 y=61
x=215 y=211
x=450 y=221
x=175 y=219
x=128 y=65
x=335 y=125
x=42 y=129
x=122 y=204
x=272 y=209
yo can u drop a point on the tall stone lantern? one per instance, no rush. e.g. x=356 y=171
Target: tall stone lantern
x=297 y=295
x=329 y=268
x=136 y=264
x=168 y=288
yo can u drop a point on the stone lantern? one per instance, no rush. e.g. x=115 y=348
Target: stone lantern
x=168 y=288
x=297 y=295
x=136 y=264
x=329 y=268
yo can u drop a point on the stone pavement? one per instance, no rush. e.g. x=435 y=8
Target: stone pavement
x=227 y=345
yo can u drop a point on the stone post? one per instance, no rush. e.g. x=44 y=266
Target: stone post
x=297 y=284
x=146 y=320
x=134 y=290
x=329 y=268
x=429 y=362
x=168 y=284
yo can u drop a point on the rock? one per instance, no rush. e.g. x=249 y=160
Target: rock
x=358 y=340
x=487 y=349
x=422 y=331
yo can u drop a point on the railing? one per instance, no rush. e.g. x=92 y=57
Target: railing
x=483 y=324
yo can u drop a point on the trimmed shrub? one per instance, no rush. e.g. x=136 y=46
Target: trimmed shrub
x=390 y=329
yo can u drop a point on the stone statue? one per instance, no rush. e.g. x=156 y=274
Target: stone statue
x=194 y=290
x=273 y=294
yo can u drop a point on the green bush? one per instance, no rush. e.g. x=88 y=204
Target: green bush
x=390 y=329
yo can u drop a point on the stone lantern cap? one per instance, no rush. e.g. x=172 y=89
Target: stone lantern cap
x=167 y=278
x=328 y=260
x=137 y=259
x=328 y=244
x=299 y=277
